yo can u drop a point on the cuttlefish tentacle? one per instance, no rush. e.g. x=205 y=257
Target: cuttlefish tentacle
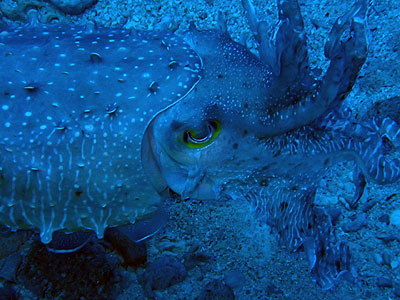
x=372 y=157
x=298 y=99
x=276 y=139
x=284 y=50
x=287 y=203
x=302 y=225
x=371 y=142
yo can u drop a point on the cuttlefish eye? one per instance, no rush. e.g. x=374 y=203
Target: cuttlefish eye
x=198 y=139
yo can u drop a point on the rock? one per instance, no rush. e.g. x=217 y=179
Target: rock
x=378 y=259
x=355 y=225
x=273 y=289
x=327 y=200
x=385 y=218
x=192 y=260
x=367 y=295
x=389 y=237
x=203 y=15
x=369 y=205
x=161 y=274
x=396 y=291
x=386 y=108
x=16 y=10
x=216 y=289
x=83 y=274
x=73 y=7
x=7 y=293
x=9 y=267
x=11 y=242
x=167 y=23
x=395 y=217
x=235 y=278
x=334 y=213
x=395 y=263
x=134 y=254
x=384 y=282
x=387 y=258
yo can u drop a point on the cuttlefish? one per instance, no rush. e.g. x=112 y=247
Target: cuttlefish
x=265 y=128
x=99 y=125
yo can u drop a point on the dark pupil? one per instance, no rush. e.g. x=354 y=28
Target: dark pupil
x=186 y=136
x=212 y=124
x=205 y=134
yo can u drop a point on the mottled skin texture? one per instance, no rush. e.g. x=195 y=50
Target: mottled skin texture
x=262 y=128
x=280 y=130
x=74 y=105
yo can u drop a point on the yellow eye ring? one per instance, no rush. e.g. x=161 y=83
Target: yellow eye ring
x=192 y=140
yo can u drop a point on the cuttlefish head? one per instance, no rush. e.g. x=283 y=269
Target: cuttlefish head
x=198 y=152
x=212 y=135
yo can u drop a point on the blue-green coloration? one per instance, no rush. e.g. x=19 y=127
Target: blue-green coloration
x=95 y=126
x=74 y=105
x=280 y=130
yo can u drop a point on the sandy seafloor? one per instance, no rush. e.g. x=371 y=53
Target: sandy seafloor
x=243 y=250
